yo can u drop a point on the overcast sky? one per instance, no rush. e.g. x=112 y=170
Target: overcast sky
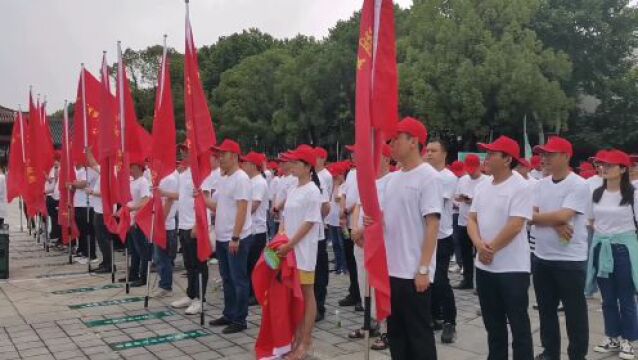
x=43 y=42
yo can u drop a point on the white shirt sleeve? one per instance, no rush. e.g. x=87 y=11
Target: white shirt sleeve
x=431 y=201
x=313 y=209
x=242 y=189
x=521 y=204
x=578 y=199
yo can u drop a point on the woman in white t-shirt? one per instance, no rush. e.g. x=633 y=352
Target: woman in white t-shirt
x=613 y=258
x=301 y=223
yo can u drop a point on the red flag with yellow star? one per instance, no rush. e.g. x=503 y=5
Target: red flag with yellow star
x=86 y=118
x=35 y=161
x=66 y=215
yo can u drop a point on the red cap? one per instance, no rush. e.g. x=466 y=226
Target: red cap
x=523 y=162
x=457 y=168
x=413 y=127
x=503 y=144
x=228 y=146
x=272 y=165
x=321 y=153
x=535 y=162
x=586 y=166
x=555 y=144
x=615 y=157
x=303 y=153
x=254 y=158
x=472 y=163
x=386 y=150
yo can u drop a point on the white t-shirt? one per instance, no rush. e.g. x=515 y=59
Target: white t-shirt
x=3 y=196
x=448 y=188
x=333 y=216
x=231 y=189
x=286 y=184
x=610 y=218
x=273 y=188
x=170 y=183
x=351 y=189
x=494 y=205
x=80 y=196
x=186 y=202
x=325 y=179
x=260 y=193
x=96 y=201
x=304 y=205
x=594 y=183
x=635 y=183
x=408 y=197
x=570 y=193
x=466 y=187
x=536 y=174
x=381 y=184
x=140 y=188
x=53 y=186
x=211 y=182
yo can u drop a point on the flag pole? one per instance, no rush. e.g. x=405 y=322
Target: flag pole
x=68 y=191
x=45 y=219
x=86 y=171
x=120 y=86
x=21 y=124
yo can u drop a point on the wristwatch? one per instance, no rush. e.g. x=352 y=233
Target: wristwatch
x=234 y=239
x=424 y=270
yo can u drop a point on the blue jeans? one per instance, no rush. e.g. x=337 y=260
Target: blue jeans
x=163 y=258
x=236 y=283
x=334 y=232
x=619 y=303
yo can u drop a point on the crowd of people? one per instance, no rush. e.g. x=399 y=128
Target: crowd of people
x=501 y=218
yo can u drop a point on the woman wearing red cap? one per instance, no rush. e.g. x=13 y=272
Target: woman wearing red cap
x=302 y=222
x=613 y=258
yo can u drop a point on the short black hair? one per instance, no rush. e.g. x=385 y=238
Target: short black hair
x=445 y=145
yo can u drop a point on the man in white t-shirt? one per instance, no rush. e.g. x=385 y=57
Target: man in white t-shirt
x=561 y=204
x=322 y=270
x=412 y=205
x=443 y=303
x=252 y=165
x=464 y=195
x=497 y=226
x=168 y=190
x=52 y=192
x=233 y=230
x=139 y=246
x=85 y=180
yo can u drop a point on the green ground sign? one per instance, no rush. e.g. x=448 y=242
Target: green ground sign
x=158 y=340
x=87 y=289
x=132 y=318
x=106 y=303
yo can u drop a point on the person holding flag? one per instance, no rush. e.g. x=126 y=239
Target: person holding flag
x=52 y=191
x=168 y=189
x=137 y=242
x=322 y=271
x=86 y=178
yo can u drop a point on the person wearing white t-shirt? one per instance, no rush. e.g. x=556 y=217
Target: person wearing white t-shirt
x=168 y=191
x=443 y=303
x=412 y=205
x=251 y=164
x=613 y=258
x=52 y=191
x=464 y=195
x=85 y=180
x=102 y=234
x=233 y=231
x=139 y=246
x=322 y=270
x=496 y=224
x=332 y=220
x=301 y=223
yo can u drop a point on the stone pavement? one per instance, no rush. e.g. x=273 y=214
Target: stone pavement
x=52 y=310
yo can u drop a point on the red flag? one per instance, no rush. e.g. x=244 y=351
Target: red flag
x=15 y=179
x=35 y=175
x=376 y=113
x=66 y=215
x=86 y=117
x=47 y=140
x=200 y=137
x=163 y=156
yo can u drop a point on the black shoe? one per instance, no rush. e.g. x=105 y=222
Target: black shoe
x=234 y=328
x=358 y=307
x=448 y=335
x=437 y=325
x=252 y=302
x=464 y=285
x=348 y=301
x=222 y=321
x=320 y=317
x=138 y=283
x=130 y=280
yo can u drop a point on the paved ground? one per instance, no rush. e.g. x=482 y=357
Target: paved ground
x=39 y=319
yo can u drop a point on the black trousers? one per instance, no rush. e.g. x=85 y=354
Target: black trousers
x=348 y=248
x=52 y=209
x=555 y=282
x=194 y=267
x=504 y=299
x=321 y=276
x=443 y=304
x=409 y=326
x=103 y=240
x=86 y=227
x=256 y=248
x=467 y=253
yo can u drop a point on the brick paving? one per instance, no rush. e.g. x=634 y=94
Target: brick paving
x=37 y=324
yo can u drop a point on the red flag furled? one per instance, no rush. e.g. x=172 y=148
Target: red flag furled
x=86 y=117
x=47 y=140
x=163 y=156
x=376 y=115
x=35 y=173
x=16 y=182
x=200 y=137
x=66 y=215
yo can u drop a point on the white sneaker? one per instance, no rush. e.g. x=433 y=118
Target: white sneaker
x=82 y=260
x=96 y=260
x=182 y=303
x=213 y=262
x=607 y=345
x=161 y=293
x=626 y=350
x=195 y=308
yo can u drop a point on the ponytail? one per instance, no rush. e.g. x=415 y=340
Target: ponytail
x=315 y=178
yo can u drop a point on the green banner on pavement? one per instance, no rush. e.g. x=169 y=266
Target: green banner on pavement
x=106 y=303
x=132 y=318
x=87 y=289
x=158 y=340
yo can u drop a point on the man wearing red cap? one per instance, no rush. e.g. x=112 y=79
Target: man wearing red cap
x=443 y=303
x=322 y=271
x=52 y=192
x=496 y=224
x=561 y=204
x=464 y=195
x=233 y=230
x=412 y=207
